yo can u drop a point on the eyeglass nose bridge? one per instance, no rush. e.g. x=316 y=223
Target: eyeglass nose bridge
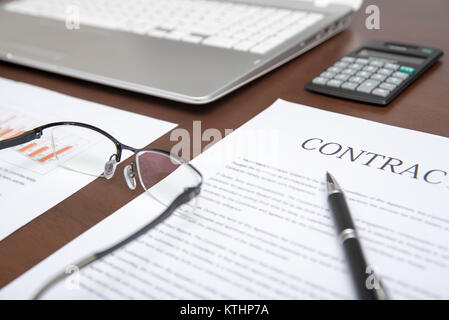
x=130 y=176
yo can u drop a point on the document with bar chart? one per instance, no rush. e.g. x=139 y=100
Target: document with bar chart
x=32 y=179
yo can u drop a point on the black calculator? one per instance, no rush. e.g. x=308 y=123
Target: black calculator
x=375 y=73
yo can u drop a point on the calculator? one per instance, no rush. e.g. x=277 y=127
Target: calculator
x=376 y=73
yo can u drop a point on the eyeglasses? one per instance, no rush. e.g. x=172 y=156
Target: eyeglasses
x=86 y=149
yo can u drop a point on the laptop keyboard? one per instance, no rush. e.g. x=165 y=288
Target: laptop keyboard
x=234 y=26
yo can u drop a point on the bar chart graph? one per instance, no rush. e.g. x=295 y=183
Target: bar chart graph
x=41 y=151
x=41 y=154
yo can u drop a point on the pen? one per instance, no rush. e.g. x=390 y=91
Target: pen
x=367 y=288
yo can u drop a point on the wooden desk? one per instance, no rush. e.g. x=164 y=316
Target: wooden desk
x=424 y=106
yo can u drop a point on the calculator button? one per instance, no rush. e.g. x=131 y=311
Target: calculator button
x=363 y=74
x=370 y=68
x=362 y=61
x=388 y=86
x=328 y=75
x=343 y=77
x=393 y=66
x=384 y=71
x=334 y=83
x=355 y=66
x=349 y=71
x=378 y=76
x=356 y=79
x=341 y=64
x=319 y=80
x=376 y=63
x=393 y=80
x=368 y=85
x=334 y=69
x=400 y=75
x=348 y=59
x=381 y=92
x=408 y=70
x=349 y=85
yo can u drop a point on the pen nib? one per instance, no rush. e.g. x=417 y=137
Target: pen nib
x=332 y=185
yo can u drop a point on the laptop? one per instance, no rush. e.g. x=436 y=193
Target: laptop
x=191 y=51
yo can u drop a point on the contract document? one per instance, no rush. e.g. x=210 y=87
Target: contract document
x=262 y=229
x=31 y=182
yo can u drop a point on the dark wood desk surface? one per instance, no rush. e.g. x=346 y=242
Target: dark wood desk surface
x=424 y=106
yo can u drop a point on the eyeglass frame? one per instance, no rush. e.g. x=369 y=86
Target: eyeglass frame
x=188 y=194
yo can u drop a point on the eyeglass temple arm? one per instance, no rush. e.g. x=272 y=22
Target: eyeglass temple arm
x=183 y=198
x=23 y=138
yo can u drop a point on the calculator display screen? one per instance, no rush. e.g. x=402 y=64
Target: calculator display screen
x=390 y=56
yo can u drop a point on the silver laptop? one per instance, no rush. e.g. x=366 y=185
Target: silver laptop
x=192 y=51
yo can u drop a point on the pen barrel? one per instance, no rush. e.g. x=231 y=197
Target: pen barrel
x=340 y=211
x=359 y=269
x=351 y=245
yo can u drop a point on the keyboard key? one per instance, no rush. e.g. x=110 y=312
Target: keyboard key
x=349 y=85
x=393 y=66
x=327 y=75
x=377 y=63
x=334 y=83
x=393 y=80
x=370 y=68
x=341 y=76
x=368 y=85
x=204 y=31
x=341 y=64
x=362 y=61
x=400 y=75
x=408 y=70
x=349 y=71
x=334 y=69
x=378 y=76
x=139 y=28
x=319 y=80
x=364 y=74
x=267 y=45
x=355 y=66
x=381 y=92
x=348 y=59
x=384 y=71
x=175 y=35
x=388 y=86
x=293 y=29
x=244 y=45
x=192 y=39
x=219 y=42
x=167 y=26
x=356 y=79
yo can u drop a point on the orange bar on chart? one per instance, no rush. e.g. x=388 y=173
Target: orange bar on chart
x=27 y=147
x=32 y=154
x=18 y=133
x=51 y=155
x=6 y=131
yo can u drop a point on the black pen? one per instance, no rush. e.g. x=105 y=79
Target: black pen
x=366 y=282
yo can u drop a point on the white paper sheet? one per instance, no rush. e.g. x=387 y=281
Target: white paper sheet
x=262 y=227
x=29 y=187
